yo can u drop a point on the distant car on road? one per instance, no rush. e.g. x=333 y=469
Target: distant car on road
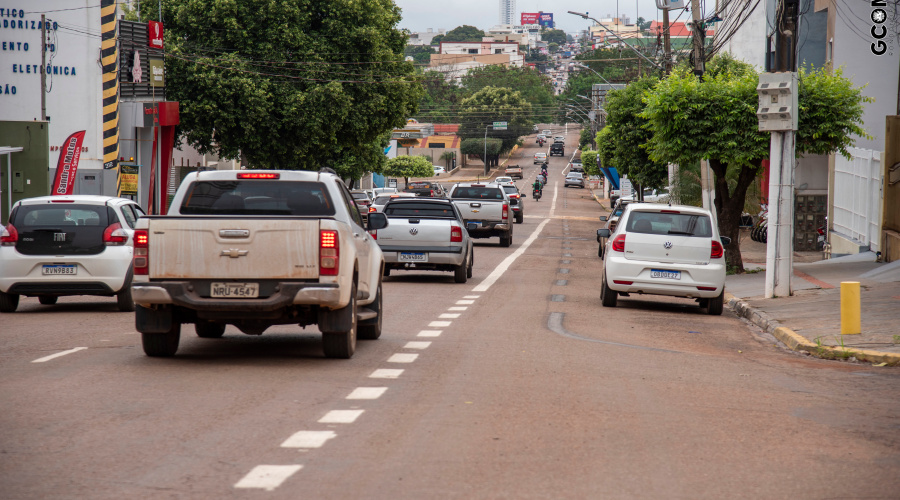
x=559 y=138
x=574 y=179
x=380 y=201
x=576 y=167
x=56 y=246
x=425 y=188
x=661 y=250
x=516 y=202
x=540 y=158
x=547 y=132
x=557 y=149
x=504 y=180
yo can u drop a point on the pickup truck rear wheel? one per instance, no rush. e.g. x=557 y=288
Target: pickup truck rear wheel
x=371 y=328
x=459 y=274
x=520 y=218
x=506 y=240
x=342 y=344
x=162 y=345
x=471 y=264
x=209 y=329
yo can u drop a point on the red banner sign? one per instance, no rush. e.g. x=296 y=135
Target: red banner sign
x=67 y=165
x=530 y=17
x=155 y=33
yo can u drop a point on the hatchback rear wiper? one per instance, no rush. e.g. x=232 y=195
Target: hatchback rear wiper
x=686 y=233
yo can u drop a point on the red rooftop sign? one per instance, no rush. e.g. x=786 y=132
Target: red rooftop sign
x=155 y=33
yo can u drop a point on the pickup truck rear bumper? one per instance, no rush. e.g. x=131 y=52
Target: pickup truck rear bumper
x=181 y=293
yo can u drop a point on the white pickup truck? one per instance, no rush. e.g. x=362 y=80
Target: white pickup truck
x=426 y=234
x=485 y=208
x=256 y=248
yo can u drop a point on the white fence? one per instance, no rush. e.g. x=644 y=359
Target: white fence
x=858 y=196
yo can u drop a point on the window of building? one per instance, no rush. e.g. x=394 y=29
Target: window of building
x=473 y=51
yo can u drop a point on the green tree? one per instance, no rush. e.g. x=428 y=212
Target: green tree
x=532 y=85
x=409 y=166
x=589 y=161
x=628 y=134
x=495 y=104
x=615 y=65
x=439 y=99
x=554 y=36
x=715 y=120
x=552 y=47
x=643 y=24
x=464 y=33
x=273 y=81
x=421 y=54
x=477 y=146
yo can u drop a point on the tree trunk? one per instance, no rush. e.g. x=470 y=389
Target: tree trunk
x=729 y=207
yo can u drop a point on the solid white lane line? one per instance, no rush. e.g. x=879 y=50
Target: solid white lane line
x=402 y=357
x=470 y=297
x=457 y=308
x=417 y=345
x=54 y=356
x=267 y=477
x=439 y=324
x=386 y=373
x=367 y=393
x=465 y=302
x=341 y=416
x=503 y=266
x=308 y=439
x=555 y=194
x=430 y=333
x=449 y=316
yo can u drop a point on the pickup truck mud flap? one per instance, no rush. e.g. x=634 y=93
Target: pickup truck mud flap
x=157 y=320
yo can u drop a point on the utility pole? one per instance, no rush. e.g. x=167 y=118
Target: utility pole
x=667 y=44
x=697 y=38
x=43 y=68
x=782 y=156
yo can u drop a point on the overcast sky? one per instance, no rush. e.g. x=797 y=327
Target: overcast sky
x=419 y=15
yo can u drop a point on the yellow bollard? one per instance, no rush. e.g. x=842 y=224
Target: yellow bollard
x=850 y=308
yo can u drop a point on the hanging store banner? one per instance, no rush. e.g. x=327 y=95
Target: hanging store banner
x=128 y=180
x=67 y=165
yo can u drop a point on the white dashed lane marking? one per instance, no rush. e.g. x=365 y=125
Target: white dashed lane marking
x=401 y=357
x=341 y=416
x=465 y=302
x=54 y=356
x=457 y=308
x=470 y=297
x=308 y=439
x=439 y=324
x=430 y=333
x=386 y=373
x=367 y=393
x=449 y=316
x=417 y=345
x=267 y=477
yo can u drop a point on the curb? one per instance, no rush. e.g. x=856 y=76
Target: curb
x=797 y=342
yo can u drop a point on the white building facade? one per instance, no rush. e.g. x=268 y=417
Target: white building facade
x=507 y=11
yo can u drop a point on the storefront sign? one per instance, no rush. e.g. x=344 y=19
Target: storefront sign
x=157 y=73
x=128 y=180
x=155 y=34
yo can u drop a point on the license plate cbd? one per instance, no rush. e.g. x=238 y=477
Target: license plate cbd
x=660 y=273
x=234 y=290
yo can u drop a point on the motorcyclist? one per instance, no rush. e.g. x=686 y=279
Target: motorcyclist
x=538 y=187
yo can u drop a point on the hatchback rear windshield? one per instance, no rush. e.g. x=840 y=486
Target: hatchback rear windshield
x=428 y=210
x=477 y=193
x=257 y=197
x=669 y=223
x=62 y=228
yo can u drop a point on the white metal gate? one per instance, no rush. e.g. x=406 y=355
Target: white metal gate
x=858 y=196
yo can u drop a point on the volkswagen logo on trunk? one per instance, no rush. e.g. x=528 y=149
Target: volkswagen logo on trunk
x=668 y=245
x=414 y=231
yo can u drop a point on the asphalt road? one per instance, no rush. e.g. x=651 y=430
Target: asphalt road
x=517 y=384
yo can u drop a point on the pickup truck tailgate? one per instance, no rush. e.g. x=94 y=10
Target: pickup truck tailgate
x=480 y=211
x=411 y=232
x=218 y=248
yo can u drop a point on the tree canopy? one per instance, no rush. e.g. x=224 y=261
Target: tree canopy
x=421 y=54
x=554 y=36
x=464 y=33
x=409 y=166
x=714 y=119
x=495 y=104
x=277 y=81
x=532 y=85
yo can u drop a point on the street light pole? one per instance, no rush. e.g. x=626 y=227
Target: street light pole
x=585 y=66
x=585 y=16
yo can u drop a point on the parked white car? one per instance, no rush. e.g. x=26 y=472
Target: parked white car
x=653 y=195
x=662 y=250
x=574 y=179
x=439 y=170
x=56 y=246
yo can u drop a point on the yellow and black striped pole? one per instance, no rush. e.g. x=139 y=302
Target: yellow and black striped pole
x=109 y=59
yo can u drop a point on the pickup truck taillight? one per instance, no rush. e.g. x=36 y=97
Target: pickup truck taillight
x=618 y=243
x=9 y=235
x=329 y=252
x=455 y=234
x=141 y=252
x=114 y=235
x=505 y=211
x=717 y=251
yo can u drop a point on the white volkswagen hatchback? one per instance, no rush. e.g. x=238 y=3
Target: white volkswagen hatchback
x=68 y=245
x=664 y=250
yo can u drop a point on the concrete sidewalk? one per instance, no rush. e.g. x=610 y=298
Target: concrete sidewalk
x=810 y=319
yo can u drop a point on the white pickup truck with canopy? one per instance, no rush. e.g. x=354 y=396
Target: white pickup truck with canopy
x=256 y=248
